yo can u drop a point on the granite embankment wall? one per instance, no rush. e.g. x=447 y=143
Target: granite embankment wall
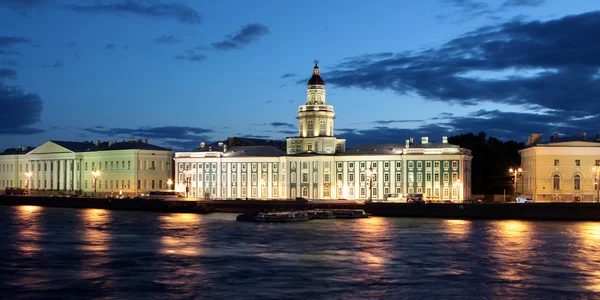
x=108 y=203
x=523 y=211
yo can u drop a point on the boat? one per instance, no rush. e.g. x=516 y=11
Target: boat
x=349 y=213
x=291 y=216
x=320 y=214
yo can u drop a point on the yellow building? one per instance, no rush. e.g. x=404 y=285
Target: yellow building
x=561 y=170
x=62 y=168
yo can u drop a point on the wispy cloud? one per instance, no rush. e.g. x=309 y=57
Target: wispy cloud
x=167 y=39
x=153 y=9
x=191 y=57
x=110 y=46
x=288 y=75
x=7 y=43
x=515 y=3
x=248 y=34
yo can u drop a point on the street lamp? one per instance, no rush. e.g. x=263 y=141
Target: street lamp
x=597 y=171
x=95 y=173
x=169 y=183
x=28 y=174
x=371 y=174
x=515 y=173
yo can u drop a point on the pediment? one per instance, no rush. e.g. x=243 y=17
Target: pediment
x=49 y=147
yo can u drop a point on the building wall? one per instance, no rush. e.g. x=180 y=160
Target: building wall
x=323 y=176
x=58 y=169
x=539 y=169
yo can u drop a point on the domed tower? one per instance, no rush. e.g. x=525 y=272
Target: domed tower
x=315 y=122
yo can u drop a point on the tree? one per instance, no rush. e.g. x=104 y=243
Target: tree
x=491 y=160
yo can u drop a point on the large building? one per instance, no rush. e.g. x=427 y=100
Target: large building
x=317 y=165
x=563 y=169
x=130 y=168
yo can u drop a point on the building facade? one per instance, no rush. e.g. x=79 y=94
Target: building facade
x=317 y=165
x=560 y=170
x=129 y=168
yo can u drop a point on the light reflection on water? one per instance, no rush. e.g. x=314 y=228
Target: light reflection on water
x=95 y=243
x=28 y=220
x=112 y=254
x=179 y=240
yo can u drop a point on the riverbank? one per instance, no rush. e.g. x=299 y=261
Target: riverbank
x=137 y=204
x=525 y=211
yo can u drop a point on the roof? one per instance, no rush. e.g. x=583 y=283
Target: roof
x=106 y=146
x=384 y=149
x=316 y=78
x=242 y=151
x=20 y=150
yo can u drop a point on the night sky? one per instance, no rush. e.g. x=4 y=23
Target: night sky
x=181 y=72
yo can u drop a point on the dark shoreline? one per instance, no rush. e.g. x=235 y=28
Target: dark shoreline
x=522 y=211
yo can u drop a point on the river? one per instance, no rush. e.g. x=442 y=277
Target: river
x=102 y=254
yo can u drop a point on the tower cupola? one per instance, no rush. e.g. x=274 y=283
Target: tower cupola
x=316 y=76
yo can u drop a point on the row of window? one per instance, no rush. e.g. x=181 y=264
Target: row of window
x=207 y=166
x=577 y=162
x=411 y=164
x=110 y=184
x=116 y=165
x=556 y=182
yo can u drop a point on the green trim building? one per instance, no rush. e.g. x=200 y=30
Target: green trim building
x=316 y=164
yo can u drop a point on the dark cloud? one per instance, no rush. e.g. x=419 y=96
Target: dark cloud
x=8 y=73
x=538 y=65
x=288 y=75
x=22 y=6
x=471 y=7
x=19 y=110
x=56 y=64
x=167 y=39
x=70 y=45
x=167 y=132
x=248 y=34
x=385 y=122
x=7 y=42
x=180 y=12
x=191 y=57
x=282 y=124
x=270 y=101
x=110 y=46
x=532 y=3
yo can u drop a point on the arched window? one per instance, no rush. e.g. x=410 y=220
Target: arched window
x=556 y=182
x=304 y=192
x=577 y=182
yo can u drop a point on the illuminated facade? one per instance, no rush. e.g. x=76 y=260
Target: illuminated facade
x=561 y=170
x=317 y=165
x=130 y=167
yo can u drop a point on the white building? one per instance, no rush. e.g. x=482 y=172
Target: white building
x=130 y=167
x=317 y=165
x=563 y=169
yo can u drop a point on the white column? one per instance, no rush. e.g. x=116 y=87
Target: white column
x=76 y=173
x=69 y=170
x=48 y=173
x=61 y=175
x=34 y=178
x=55 y=174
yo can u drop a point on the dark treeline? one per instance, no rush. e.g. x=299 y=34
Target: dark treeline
x=491 y=160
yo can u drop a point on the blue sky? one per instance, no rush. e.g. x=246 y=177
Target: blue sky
x=182 y=72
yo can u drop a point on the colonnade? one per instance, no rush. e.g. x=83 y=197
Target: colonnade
x=56 y=174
